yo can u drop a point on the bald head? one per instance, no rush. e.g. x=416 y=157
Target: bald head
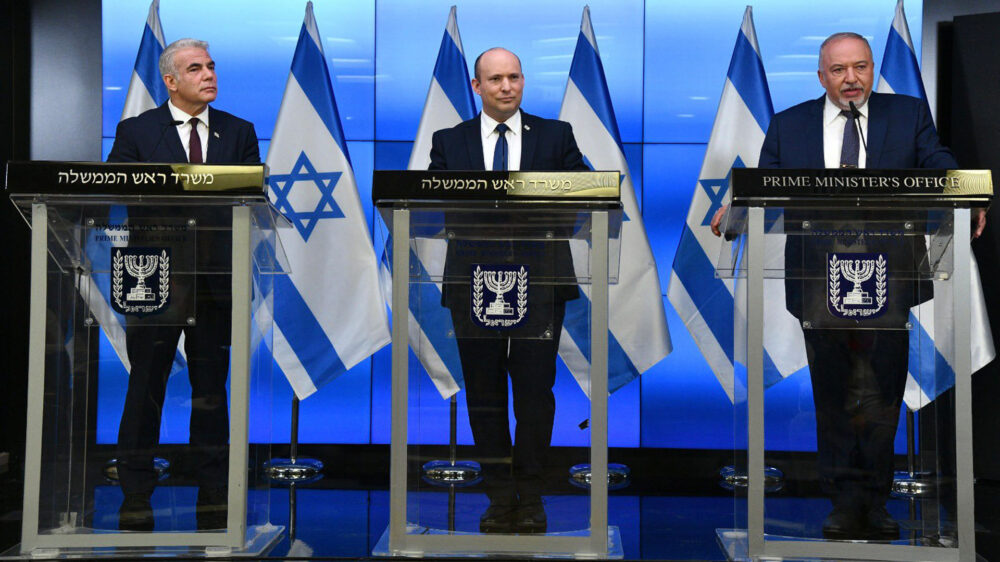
x=491 y=52
x=499 y=83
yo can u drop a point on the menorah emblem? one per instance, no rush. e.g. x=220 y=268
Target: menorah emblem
x=505 y=281
x=857 y=272
x=141 y=267
x=868 y=274
x=131 y=268
x=500 y=282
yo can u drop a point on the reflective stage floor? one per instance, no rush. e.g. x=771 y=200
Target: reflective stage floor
x=670 y=510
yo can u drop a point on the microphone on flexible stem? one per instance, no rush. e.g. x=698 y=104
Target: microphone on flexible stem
x=163 y=131
x=857 y=121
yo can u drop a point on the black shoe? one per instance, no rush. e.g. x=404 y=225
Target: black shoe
x=498 y=518
x=212 y=510
x=136 y=514
x=843 y=524
x=530 y=518
x=881 y=525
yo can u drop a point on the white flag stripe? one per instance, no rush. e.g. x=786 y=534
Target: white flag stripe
x=138 y=99
x=714 y=354
x=437 y=110
x=302 y=385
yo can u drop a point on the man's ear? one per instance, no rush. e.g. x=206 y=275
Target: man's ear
x=475 y=86
x=170 y=82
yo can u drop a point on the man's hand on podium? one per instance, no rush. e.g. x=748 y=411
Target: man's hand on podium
x=717 y=220
x=978 y=221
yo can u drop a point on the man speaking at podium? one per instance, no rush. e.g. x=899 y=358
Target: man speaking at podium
x=503 y=137
x=184 y=129
x=858 y=376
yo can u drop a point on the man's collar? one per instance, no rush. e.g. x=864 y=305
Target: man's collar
x=178 y=114
x=489 y=124
x=831 y=111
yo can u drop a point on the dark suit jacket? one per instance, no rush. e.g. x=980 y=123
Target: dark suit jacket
x=546 y=145
x=900 y=135
x=149 y=137
x=146 y=138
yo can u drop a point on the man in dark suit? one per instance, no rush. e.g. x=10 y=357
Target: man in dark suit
x=503 y=137
x=184 y=129
x=858 y=376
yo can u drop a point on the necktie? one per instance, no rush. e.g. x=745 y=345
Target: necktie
x=500 y=151
x=851 y=147
x=194 y=144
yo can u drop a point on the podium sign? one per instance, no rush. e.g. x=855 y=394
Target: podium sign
x=119 y=252
x=861 y=279
x=485 y=267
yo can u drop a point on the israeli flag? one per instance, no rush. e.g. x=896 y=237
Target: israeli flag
x=145 y=91
x=705 y=303
x=638 y=337
x=329 y=313
x=449 y=98
x=449 y=102
x=929 y=374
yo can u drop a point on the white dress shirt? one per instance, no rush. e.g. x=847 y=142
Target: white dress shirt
x=489 y=136
x=184 y=129
x=833 y=133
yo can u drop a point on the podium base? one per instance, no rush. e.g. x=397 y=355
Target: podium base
x=615 y=549
x=260 y=539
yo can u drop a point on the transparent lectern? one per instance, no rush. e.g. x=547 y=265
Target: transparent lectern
x=852 y=291
x=485 y=267
x=124 y=258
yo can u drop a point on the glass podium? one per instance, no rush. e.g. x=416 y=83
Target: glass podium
x=125 y=260
x=852 y=292
x=495 y=263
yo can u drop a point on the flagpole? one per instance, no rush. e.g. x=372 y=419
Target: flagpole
x=912 y=483
x=293 y=469
x=452 y=472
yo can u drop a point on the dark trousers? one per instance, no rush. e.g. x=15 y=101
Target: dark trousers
x=151 y=351
x=511 y=470
x=858 y=379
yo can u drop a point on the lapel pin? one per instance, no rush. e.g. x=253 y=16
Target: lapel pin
x=527 y=128
x=216 y=133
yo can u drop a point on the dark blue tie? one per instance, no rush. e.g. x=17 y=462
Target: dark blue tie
x=500 y=151
x=851 y=147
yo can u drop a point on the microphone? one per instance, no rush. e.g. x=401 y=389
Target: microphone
x=857 y=121
x=163 y=131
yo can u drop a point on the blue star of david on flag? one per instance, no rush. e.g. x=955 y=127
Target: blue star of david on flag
x=326 y=207
x=716 y=190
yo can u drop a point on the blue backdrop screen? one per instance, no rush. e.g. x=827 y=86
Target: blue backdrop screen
x=665 y=63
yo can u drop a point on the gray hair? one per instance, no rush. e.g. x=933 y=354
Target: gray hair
x=167 y=57
x=838 y=37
